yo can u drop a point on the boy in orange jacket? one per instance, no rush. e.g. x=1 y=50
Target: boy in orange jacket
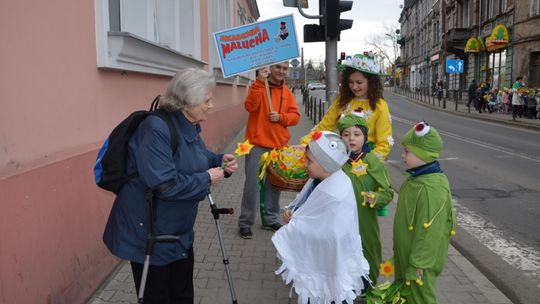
x=266 y=130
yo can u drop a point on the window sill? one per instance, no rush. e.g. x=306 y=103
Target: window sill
x=129 y=52
x=238 y=80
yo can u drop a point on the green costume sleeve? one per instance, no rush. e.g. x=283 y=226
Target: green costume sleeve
x=431 y=229
x=384 y=193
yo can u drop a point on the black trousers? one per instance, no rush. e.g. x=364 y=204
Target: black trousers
x=168 y=284
x=516 y=110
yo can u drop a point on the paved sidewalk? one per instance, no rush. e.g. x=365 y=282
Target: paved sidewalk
x=252 y=262
x=462 y=110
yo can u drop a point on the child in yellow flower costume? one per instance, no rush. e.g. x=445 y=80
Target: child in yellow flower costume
x=361 y=88
x=371 y=186
x=424 y=220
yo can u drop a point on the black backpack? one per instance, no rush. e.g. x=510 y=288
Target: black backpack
x=110 y=166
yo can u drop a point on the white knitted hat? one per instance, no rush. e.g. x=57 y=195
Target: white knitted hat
x=329 y=150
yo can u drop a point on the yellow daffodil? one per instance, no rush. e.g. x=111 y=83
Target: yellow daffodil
x=243 y=148
x=274 y=155
x=387 y=269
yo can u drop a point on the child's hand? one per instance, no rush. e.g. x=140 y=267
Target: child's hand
x=287 y=214
x=370 y=198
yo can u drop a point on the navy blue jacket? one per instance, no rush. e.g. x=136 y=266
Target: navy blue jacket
x=150 y=154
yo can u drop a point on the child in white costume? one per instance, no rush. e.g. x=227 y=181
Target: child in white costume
x=320 y=246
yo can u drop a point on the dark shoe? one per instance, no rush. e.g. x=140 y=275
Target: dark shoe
x=246 y=233
x=274 y=227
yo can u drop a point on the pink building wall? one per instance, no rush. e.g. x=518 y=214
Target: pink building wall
x=56 y=108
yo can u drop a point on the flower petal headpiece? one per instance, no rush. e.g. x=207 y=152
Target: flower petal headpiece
x=362 y=63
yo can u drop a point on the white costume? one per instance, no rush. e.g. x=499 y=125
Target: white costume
x=320 y=247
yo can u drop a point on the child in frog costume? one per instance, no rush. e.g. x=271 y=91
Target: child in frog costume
x=371 y=185
x=424 y=220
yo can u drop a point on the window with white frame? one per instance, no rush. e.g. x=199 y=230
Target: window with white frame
x=466 y=14
x=535 y=7
x=150 y=36
x=503 y=4
x=220 y=18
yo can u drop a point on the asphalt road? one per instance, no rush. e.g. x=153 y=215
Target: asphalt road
x=494 y=172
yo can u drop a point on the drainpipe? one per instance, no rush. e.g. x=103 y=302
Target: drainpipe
x=512 y=44
x=443 y=64
x=479 y=36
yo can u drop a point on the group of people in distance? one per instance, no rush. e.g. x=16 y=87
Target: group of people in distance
x=329 y=244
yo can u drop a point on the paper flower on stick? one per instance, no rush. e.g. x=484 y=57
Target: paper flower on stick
x=316 y=135
x=288 y=162
x=387 y=269
x=274 y=155
x=359 y=168
x=243 y=148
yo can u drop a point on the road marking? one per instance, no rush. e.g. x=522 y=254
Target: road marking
x=394 y=161
x=510 y=152
x=523 y=257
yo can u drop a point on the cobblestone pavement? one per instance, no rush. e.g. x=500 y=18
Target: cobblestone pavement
x=252 y=262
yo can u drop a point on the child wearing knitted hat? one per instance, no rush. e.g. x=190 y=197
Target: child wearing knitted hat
x=320 y=247
x=424 y=220
x=371 y=185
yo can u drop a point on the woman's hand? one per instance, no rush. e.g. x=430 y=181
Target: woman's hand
x=287 y=214
x=230 y=164
x=216 y=175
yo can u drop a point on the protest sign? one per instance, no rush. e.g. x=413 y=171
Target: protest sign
x=253 y=45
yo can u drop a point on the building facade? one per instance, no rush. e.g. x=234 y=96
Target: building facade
x=526 y=42
x=497 y=40
x=71 y=71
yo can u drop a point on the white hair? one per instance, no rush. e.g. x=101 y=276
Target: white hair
x=187 y=88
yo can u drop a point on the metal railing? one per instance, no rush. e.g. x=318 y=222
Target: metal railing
x=434 y=97
x=314 y=107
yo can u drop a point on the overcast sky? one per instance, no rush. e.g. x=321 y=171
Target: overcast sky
x=368 y=16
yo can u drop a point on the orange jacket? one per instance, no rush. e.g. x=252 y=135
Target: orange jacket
x=260 y=131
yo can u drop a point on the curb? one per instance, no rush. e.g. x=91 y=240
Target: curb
x=520 y=124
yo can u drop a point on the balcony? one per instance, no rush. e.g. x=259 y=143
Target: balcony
x=456 y=39
x=457 y=35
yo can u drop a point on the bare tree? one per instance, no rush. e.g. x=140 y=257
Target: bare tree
x=385 y=45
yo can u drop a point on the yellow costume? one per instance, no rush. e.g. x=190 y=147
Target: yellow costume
x=379 y=123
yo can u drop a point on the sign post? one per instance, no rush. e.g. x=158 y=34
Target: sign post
x=455 y=66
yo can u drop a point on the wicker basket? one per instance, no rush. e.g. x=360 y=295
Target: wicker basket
x=285 y=183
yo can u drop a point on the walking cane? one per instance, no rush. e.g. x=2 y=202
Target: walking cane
x=150 y=240
x=216 y=212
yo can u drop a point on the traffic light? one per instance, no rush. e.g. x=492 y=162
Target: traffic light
x=342 y=56
x=313 y=33
x=333 y=24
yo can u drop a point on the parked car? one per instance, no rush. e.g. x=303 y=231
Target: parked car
x=316 y=86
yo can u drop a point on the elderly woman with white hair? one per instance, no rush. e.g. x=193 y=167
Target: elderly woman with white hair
x=183 y=180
